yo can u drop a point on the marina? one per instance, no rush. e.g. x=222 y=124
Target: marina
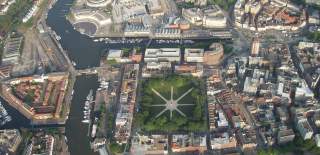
x=87 y=108
x=138 y=41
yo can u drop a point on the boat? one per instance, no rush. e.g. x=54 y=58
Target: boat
x=86 y=104
x=58 y=37
x=8 y=118
x=89 y=97
x=87 y=111
x=85 y=121
x=74 y=63
x=4 y=116
x=94 y=130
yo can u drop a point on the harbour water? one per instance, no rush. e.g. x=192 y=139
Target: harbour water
x=76 y=131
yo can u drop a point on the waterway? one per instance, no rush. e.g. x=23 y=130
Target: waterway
x=76 y=131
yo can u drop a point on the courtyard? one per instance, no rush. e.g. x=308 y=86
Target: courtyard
x=174 y=103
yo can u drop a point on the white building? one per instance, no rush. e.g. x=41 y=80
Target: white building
x=193 y=15
x=303 y=92
x=304 y=128
x=115 y=55
x=314 y=17
x=98 y=3
x=156 y=8
x=214 y=22
x=223 y=141
x=222 y=122
x=167 y=33
x=31 y=13
x=128 y=10
x=214 y=17
x=251 y=86
x=193 y=55
x=136 y=31
x=162 y=55
x=317 y=139
x=158 y=65
x=209 y=17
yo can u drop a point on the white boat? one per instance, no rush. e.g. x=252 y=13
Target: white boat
x=58 y=37
x=85 y=121
x=7 y=119
x=4 y=116
x=86 y=103
x=74 y=63
x=94 y=130
x=89 y=97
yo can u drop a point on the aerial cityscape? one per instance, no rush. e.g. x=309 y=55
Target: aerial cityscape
x=160 y=77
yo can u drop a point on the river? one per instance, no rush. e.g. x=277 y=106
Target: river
x=86 y=53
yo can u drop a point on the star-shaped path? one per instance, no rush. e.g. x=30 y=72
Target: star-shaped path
x=171 y=105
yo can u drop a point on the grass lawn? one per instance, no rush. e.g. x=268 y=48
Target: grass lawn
x=194 y=120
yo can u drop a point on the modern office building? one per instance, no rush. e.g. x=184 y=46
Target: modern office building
x=193 y=55
x=162 y=55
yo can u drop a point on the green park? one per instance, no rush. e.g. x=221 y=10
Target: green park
x=173 y=103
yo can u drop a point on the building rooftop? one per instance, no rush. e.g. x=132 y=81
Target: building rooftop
x=188 y=143
x=153 y=144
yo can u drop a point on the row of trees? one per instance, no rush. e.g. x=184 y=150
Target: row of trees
x=315 y=36
x=297 y=146
x=225 y=4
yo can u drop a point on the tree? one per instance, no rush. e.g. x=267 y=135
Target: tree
x=161 y=121
x=116 y=148
x=146 y=100
x=315 y=36
x=225 y=4
x=197 y=112
x=150 y=126
x=171 y=126
x=139 y=119
x=180 y=120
